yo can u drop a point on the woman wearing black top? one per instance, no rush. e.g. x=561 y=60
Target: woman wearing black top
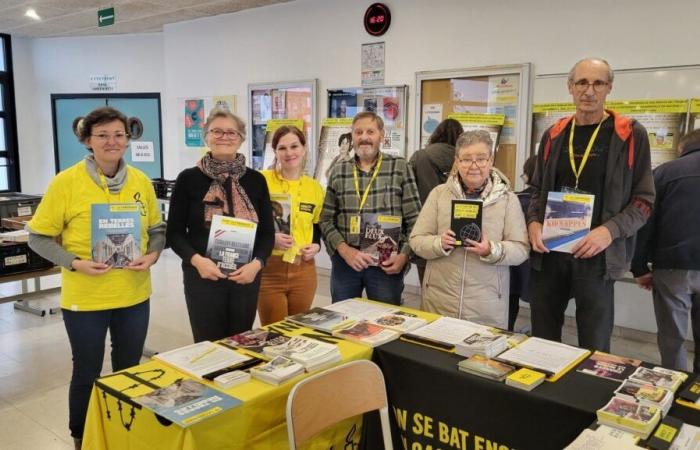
x=218 y=305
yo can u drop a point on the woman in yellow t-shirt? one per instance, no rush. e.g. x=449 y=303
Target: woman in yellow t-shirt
x=289 y=281
x=100 y=192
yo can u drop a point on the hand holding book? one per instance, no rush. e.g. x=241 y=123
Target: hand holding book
x=481 y=248
x=206 y=268
x=394 y=264
x=595 y=242
x=447 y=240
x=90 y=267
x=247 y=273
x=143 y=263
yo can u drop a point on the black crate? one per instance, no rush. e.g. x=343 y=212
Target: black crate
x=16 y=257
x=163 y=188
x=13 y=204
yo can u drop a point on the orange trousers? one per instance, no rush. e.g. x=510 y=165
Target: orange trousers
x=285 y=289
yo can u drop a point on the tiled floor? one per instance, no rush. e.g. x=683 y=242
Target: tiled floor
x=35 y=360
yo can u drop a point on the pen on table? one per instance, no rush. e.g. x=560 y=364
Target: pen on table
x=202 y=355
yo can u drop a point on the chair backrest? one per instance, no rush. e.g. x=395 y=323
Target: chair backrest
x=334 y=395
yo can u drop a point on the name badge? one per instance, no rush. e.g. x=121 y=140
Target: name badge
x=355 y=224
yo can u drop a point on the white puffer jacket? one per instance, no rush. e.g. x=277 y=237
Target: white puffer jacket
x=487 y=279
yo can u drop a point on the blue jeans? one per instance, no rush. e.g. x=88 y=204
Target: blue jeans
x=86 y=332
x=347 y=283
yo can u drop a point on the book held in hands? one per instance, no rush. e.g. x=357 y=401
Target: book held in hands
x=465 y=220
x=231 y=242
x=380 y=236
x=567 y=220
x=115 y=233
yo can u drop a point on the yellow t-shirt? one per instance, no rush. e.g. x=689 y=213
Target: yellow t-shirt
x=65 y=211
x=306 y=203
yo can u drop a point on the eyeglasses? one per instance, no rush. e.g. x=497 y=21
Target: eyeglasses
x=230 y=134
x=104 y=137
x=480 y=162
x=582 y=85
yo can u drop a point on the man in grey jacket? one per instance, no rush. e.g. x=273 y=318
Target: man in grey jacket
x=599 y=152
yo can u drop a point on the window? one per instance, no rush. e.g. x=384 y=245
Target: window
x=9 y=161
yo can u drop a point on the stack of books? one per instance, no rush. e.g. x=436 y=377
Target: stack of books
x=277 y=371
x=659 y=377
x=367 y=333
x=646 y=394
x=486 y=368
x=482 y=343
x=382 y=315
x=525 y=379
x=321 y=319
x=254 y=341
x=604 y=438
x=310 y=353
x=628 y=415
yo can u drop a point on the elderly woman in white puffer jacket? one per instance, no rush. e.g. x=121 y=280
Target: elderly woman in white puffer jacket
x=504 y=241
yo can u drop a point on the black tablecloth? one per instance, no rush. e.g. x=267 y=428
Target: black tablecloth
x=435 y=406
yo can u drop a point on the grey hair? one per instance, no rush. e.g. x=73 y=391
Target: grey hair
x=474 y=137
x=220 y=113
x=611 y=74
x=369 y=115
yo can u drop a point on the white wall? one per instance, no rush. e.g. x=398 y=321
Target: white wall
x=64 y=65
x=322 y=38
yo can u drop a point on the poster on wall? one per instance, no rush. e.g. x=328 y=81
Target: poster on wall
x=389 y=102
x=430 y=119
x=194 y=122
x=334 y=146
x=493 y=123
x=503 y=99
x=271 y=126
x=373 y=64
x=694 y=114
x=664 y=120
x=544 y=115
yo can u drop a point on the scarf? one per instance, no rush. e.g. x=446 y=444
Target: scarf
x=114 y=184
x=225 y=192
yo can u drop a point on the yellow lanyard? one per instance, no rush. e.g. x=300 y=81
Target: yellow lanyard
x=584 y=160
x=105 y=188
x=363 y=198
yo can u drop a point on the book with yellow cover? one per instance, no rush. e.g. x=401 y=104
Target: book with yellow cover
x=630 y=416
x=525 y=379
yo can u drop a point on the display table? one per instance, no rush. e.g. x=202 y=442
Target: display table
x=437 y=406
x=115 y=422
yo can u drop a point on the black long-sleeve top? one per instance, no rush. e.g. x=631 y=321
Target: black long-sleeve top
x=187 y=232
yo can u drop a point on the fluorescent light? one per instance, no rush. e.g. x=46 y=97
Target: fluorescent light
x=31 y=12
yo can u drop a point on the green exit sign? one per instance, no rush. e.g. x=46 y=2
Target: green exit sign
x=105 y=17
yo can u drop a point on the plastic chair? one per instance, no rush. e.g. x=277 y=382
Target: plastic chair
x=334 y=395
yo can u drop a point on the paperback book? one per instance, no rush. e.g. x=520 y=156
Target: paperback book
x=277 y=371
x=525 y=379
x=629 y=415
x=567 y=220
x=604 y=438
x=646 y=394
x=231 y=242
x=444 y=333
x=659 y=376
x=380 y=236
x=609 y=366
x=484 y=344
x=254 y=340
x=321 y=319
x=310 y=353
x=486 y=368
x=186 y=402
x=282 y=212
x=115 y=233
x=465 y=220
x=398 y=321
x=367 y=333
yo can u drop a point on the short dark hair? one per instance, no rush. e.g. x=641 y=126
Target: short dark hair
x=285 y=130
x=99 y=116
x=446 y=132
x=529 y=167
x=689 y=141
x=345 y=137
x=369 y=115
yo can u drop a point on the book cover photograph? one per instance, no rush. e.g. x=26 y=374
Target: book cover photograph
x=567 y=220
x=609 y=366
x=367 y=333
x=282 y=212
x=186 y=402
x=465 y=220
x=334 y=147
x=231 y=242
x=380 y=236
x=320 y=319
x=255 y=340
x=115 y=233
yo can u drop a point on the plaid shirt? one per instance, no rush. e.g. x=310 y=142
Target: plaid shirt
x=393 y=193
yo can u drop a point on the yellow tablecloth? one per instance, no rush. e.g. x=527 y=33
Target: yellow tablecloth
x=259 y=423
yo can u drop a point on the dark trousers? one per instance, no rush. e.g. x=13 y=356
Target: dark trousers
x=561 y=278
x=86 y=332
x=347 y=283
x=218 y=309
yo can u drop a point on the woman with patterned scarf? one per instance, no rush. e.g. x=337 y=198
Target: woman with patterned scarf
x=220 y=184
